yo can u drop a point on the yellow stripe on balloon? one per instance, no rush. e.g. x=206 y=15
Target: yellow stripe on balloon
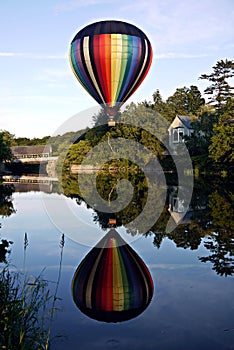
x=118 y=291
x=116 y=61
x=89 y=66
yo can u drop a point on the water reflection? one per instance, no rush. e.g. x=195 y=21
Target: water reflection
x=112 y=283
x=204 y=240
x=6 y=204
x=209 y=220
x=6 y=209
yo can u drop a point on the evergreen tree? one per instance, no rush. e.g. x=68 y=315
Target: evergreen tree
x=186 y=100
x=220 y=91
x=222 y=144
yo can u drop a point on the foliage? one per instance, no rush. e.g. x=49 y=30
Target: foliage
x=222 y=145
x=26 y=308
x=211 y=124
x=6 y=205
x=186 y=101
x=5 y=146
x=25 y=141
x=220 y=90
x=203 y=125
x=220 y=241
x=20 y=307
x=4 y=249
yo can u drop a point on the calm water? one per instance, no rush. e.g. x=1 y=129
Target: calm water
x=191 y=267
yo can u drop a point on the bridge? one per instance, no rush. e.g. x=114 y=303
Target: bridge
x=34 y=160
x=35 y=155
x=27 y=183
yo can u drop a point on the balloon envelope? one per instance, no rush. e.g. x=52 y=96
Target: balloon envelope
x=112 y=283
x=110 y=59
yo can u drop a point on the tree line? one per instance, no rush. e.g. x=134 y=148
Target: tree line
x=210 y=145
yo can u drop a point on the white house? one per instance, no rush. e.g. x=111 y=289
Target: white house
x=180 y=127
x=179 y=208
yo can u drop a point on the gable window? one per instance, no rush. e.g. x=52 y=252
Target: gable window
x=178 y=135
x=178 y=205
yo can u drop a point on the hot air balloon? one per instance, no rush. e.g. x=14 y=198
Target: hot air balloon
x=110 y=59
x=112 y=283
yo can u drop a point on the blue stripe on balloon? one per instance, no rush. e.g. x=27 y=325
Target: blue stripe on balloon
x=133 y=278
x=133 y=66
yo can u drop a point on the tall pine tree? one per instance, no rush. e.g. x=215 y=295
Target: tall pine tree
x=220 y=91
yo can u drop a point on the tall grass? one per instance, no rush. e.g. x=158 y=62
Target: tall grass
x=27 y=308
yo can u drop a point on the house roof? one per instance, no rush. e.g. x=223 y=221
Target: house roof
x=31 y=149
x=185 y=120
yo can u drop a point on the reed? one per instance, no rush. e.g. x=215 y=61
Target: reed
x=27 y=308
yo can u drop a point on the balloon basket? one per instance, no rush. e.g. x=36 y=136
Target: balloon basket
x=111 y=123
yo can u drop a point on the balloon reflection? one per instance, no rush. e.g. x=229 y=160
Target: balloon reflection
x=112 y=283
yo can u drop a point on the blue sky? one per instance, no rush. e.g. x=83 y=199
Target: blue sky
x=38 y=91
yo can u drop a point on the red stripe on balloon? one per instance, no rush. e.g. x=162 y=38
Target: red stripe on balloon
x=107 y=280
x=105 y=55
x=98 y=64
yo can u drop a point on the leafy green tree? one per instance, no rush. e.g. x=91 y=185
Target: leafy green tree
x=195 y=100
x=5 y=146
x=162 y=107
x=199 y=142
x=25 y=141
x=186 y=100
x=220 y=91
x=78 y=151
x=222 y=144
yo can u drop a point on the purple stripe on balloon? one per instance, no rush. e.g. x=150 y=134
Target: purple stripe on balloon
x=80 y=69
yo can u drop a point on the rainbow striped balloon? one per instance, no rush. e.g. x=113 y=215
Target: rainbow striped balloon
x=110 y=59
x=112 y=283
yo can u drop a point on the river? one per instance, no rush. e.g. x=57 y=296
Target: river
x=189 y=300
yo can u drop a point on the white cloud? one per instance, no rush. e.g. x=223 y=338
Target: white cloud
x=55 y=77
x=185 y=22
x=171 y=55
x=74 y=4
x=34 y=56
x=175 y=266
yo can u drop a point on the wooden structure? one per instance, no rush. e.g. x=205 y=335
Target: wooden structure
x=31 y=152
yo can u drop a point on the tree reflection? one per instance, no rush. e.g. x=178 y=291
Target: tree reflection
x=221 y=240
x=6 y=204
x=209 y=219
x=222 y=252
x=6 y=209
x=4 y=250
